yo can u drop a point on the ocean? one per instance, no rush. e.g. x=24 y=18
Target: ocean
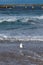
x=21 y=26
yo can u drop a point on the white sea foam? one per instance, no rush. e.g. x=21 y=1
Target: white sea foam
x=21 y=38
x=21 y=18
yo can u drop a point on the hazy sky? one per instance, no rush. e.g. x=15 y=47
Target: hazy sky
x=20 y=1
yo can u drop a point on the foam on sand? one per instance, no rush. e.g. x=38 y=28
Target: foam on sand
x=20 y=38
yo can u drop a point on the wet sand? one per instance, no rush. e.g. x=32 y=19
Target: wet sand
x=30 y=54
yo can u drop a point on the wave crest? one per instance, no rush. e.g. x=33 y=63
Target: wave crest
x=20 y=18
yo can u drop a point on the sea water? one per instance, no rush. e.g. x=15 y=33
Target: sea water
x=21 y=26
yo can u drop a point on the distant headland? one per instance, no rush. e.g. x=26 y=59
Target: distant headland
x=23 y=6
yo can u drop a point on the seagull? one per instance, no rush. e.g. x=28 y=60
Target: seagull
x=21 y=51
x=21 y=45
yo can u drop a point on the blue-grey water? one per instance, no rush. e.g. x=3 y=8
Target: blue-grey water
x=21 y=2
x=21 y=26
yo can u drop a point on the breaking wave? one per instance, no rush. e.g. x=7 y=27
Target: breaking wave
x=20 y=18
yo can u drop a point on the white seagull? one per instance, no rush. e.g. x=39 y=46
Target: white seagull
x=21 y=45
